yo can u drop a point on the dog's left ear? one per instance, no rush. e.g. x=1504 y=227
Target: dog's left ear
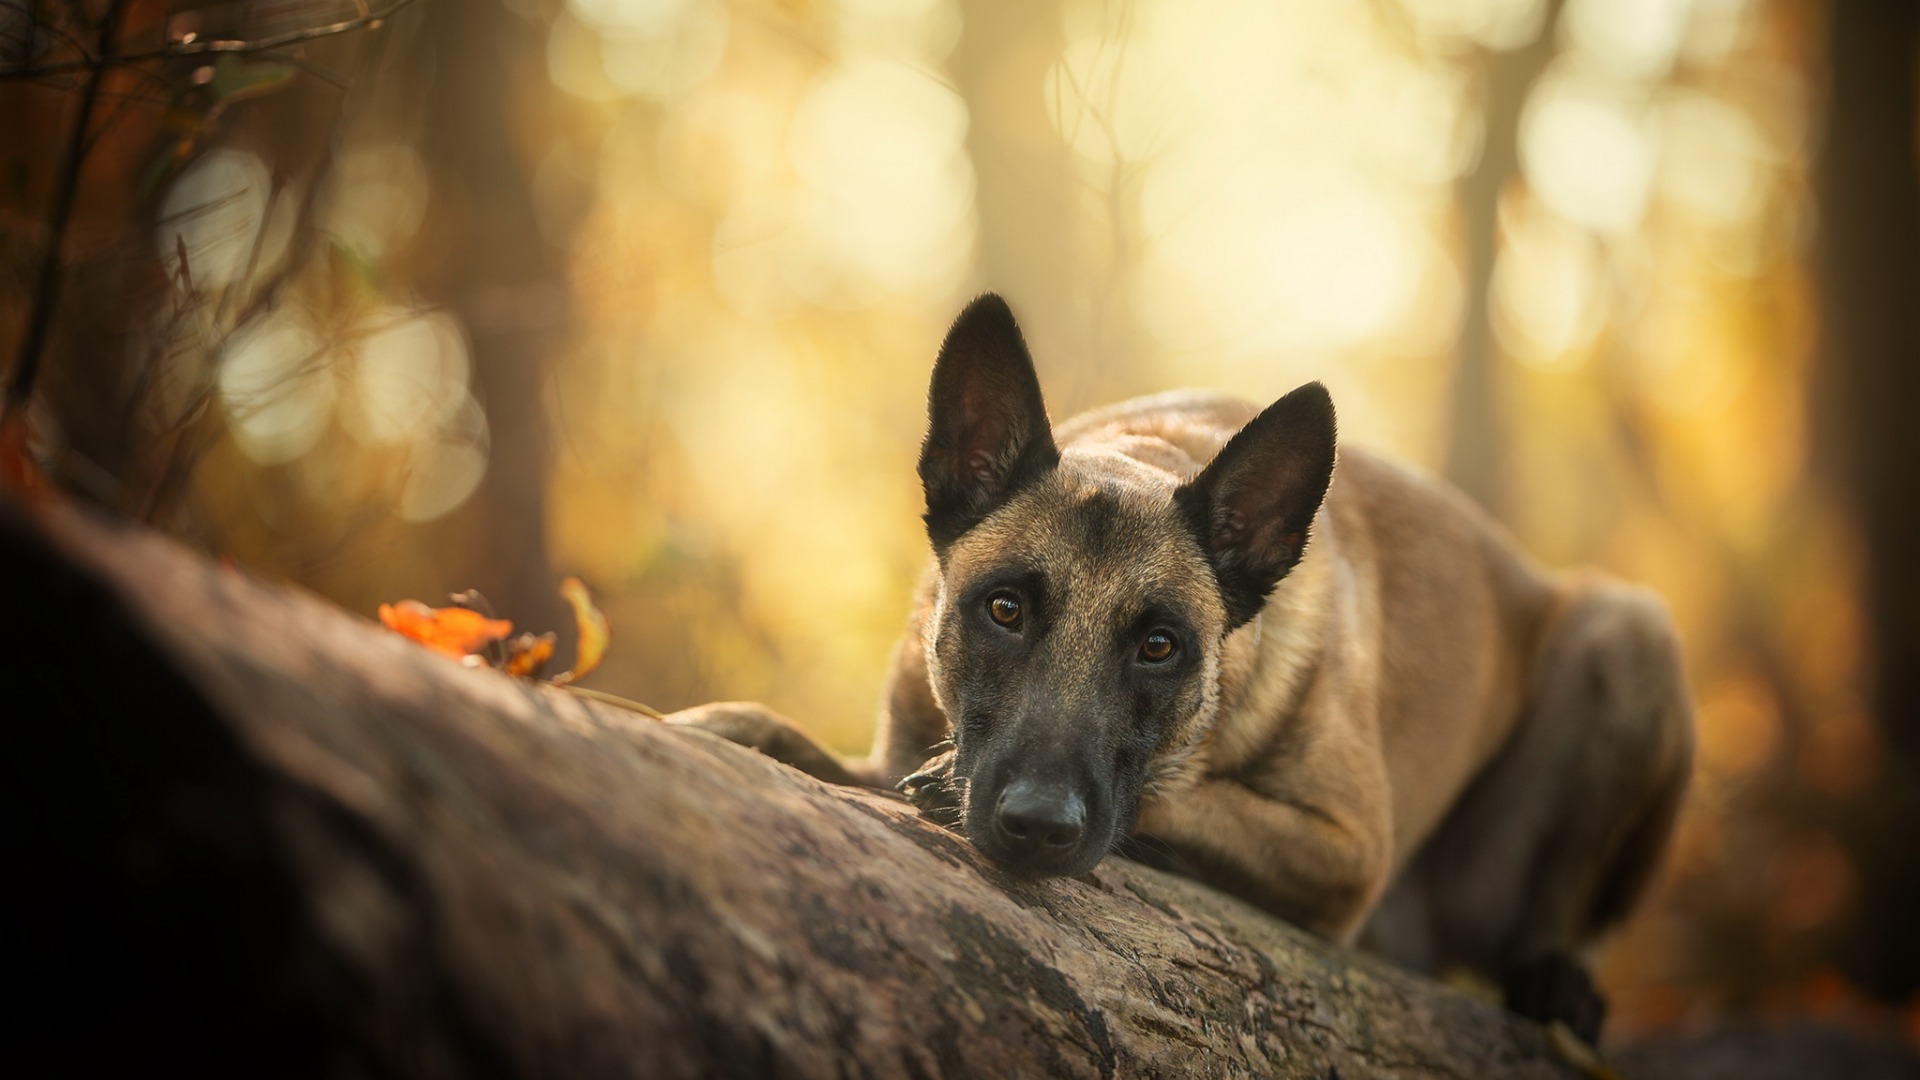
x=1252 y=505
x=987 y=431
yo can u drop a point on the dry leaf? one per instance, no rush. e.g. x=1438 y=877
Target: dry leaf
x=19 y=473
x=527 y=655
x=594 y=632
x=453 y=631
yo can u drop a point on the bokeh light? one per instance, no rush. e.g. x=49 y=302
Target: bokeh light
x=211 y=216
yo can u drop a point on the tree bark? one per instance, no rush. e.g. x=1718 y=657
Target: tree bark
x=256 y=834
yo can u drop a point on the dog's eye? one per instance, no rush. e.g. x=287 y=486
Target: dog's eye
x=1004 y=608
x=1158 y=648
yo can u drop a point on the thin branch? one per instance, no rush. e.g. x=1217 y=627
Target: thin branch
x=316 y=71
x=33 y=344
x=184 y=442
x=122 y=101
x=184 y=303
x=204 y=48
x=34 y=25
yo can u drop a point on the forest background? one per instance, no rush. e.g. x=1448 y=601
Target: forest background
x=397 y=298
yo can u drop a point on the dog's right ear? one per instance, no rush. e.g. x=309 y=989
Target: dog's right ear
x=987 y=432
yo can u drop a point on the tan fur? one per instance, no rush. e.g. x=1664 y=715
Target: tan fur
x=1382 y=676
x=1417 y=705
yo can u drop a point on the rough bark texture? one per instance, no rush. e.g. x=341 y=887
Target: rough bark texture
x=256 y=834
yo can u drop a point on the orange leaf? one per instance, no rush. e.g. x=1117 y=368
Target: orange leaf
x=594 y=632
x=19 y=473
x=527 y=655
x=454 y=631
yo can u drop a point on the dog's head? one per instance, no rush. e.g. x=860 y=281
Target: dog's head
x=1085 y=598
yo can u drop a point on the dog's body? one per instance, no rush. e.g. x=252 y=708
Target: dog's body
x=1403 y=732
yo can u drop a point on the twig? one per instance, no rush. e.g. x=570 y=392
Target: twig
x=616 y=701
x=316 y=71
x=34 y=24
x=121 y=101
x=181 y=451
x=158 y=345
x=204 y=48
x=33 y=344
x=184 y=445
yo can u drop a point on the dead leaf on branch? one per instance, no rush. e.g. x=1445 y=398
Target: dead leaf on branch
x=467 y=631
x=527 y=655
x=595 y=634
x=455 y=632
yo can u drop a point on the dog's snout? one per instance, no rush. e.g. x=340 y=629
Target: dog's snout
x=1036 y=818
x=1041 y=819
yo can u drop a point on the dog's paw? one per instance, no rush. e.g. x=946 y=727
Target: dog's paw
x=760 y=728
x=934 y=789
x=1557 y=987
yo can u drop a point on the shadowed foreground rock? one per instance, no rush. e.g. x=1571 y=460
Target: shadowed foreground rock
x=252 y=833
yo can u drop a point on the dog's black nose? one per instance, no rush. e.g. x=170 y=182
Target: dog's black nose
x=1037 y=819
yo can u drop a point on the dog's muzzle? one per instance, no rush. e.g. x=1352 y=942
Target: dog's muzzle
x=1038 y=828
x=1031 y=819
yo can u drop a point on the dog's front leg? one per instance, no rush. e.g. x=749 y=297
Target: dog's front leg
x=1318 y=858
x=761 y=728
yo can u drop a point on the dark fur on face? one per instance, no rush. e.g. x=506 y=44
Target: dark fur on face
x=1085 y=595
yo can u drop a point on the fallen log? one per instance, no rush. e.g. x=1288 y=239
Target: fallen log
x=254 y=833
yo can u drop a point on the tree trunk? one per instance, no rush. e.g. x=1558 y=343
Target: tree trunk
x=479 y=62
x=255 y=834
x=1025 y=192
x=1476 y=442
x=1869 y=187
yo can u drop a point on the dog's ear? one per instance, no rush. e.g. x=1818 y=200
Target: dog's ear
x=1252 y=505
x=987 y=432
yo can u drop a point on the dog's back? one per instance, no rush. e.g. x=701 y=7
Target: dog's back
x=1431 y=595
x=1534 y=728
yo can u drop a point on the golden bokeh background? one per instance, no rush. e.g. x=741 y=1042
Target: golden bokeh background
x=649 y=291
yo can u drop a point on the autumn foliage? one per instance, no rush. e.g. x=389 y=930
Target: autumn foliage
x=455 y=632
x=467 y=632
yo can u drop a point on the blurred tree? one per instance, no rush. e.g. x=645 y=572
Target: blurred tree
x=1869 y=189
x=61 y=127
x=1023 y=170
x=1475 y=441
x=484 y=257
x=116 y=101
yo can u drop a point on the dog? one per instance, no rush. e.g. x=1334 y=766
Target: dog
x=1307 y=676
